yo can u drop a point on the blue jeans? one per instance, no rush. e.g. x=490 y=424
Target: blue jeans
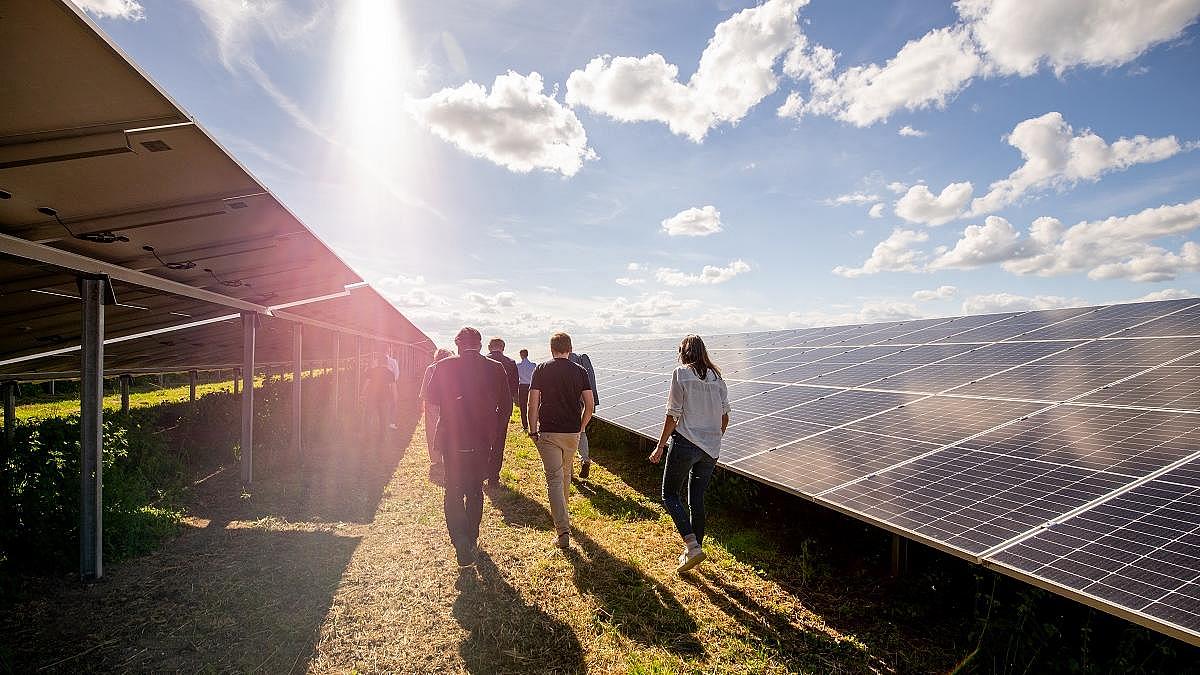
x=686 y=474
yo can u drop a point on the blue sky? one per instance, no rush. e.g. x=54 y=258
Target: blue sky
x=708 y=166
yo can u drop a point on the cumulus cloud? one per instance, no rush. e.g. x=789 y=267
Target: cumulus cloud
x=629 y=281
x=1166 y=294
x=920 y=205
x=876 y=211
x=909 y=131
x=693 y=222
x=992 y=38
x=994 y=303
x=1055 y=156
x=994 y=241
x=1116 y=247
x=514 y=125
x=711 y=274
x=927 y=72
x=939 y=293
x=894 y=254
x=736 y=71
x=130 y=10
x=1019 y=36
x=491 y=303
x=852 y=198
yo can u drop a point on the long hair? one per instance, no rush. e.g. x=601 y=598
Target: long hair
x=694 y=354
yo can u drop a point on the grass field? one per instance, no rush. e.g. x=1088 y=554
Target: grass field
x=345 y=566
x=140 y=397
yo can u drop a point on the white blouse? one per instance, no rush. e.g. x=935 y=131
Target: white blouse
x=697 y=406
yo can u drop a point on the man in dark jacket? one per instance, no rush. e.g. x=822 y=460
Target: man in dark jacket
x=471 y=392
x=496 y=353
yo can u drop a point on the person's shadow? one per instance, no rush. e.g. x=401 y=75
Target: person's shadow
x=618 y=507
x=634 y=603
x=507 y=634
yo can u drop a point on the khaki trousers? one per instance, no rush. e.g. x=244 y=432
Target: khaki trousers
x=558 y=458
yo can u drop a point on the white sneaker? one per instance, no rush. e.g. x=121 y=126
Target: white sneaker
x=689 y=560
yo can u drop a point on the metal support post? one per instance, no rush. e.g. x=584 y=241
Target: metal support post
x=192 y=386
x=125 y=381
x=357 y=371
x=237 y=381
x=161 y=383
x=91 y=424
x=337 y=373
x=9 y=391
x=52 y=387
x=249 y=319
x=297 y=372
x=899 y=551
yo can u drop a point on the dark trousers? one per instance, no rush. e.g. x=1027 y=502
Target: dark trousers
x=686 y=474
x=523 y=404
x=497 y=456
x=464 y=495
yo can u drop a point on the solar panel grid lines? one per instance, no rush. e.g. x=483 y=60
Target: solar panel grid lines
x=1158 y=474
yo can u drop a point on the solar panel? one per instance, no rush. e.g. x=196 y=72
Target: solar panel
x=985 y=436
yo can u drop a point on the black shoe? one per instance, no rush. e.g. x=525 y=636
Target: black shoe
x=585 y=469
x=465 y=554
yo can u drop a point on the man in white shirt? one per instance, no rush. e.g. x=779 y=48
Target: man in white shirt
x=393 y=367
x=524 y=377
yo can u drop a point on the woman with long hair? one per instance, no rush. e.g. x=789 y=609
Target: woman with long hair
x=697 y=415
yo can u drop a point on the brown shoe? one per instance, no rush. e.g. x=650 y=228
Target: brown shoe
x=562 y=541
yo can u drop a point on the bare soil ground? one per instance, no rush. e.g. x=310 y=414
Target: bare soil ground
x=345 y=566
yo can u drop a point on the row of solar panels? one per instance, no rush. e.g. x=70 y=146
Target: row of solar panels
x=1062 y=447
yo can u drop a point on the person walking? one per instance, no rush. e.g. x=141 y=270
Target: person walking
x=376 y=401
x=585 y=457
x=560 y=407
x=524 y=377
x=697 y=416
x=471 y=392
x=496 y=353
x=432 y=411
x=393 y=366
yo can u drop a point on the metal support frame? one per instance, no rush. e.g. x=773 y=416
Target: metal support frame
x=899 y=555
x=192 y=386
x=249 y=321
x=337 y=373
x=125 y=379
x=237 y=381
x=357 y=371
x=91 y=424
x=8 y=390
x=297 y=400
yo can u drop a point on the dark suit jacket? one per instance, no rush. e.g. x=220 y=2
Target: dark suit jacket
x=583 y=360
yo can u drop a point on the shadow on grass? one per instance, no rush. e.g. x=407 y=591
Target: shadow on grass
x=224 y=595
x=612 y=505
x=218 y=600
x=632 y=602
x=507 y=634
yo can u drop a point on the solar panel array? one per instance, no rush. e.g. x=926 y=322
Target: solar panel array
x=1061 y=447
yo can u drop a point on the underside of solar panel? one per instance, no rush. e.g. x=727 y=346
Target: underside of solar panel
x=1061 y=447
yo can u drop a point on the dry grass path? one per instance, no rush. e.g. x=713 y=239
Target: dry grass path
x=346 y=567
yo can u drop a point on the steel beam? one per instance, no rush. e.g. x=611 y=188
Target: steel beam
x=249 y=321
x=91 y=424
x=357 y=372
x=29 y=250
x=192 y=385
x=337 y=374
x=297 y=373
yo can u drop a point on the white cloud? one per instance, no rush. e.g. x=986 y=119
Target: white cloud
x=635 y=266
x=1056 y=157
x=1019 y=36
x=1116 y=247
x=894 y=254
x=909 y=131
x=711 y=274
x=1166 y=294
x=993 y=38
x=897 y=187
x=852 y=198
x=927 y=72
x=629 y=281
x=876 y=211
x=994 y=303
x=939 y=293
x=130 y=10
x=491 y=303
x=736 y=71
x=514 y=125
x=994 y=241
x=693 y=222
x=920 y=205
